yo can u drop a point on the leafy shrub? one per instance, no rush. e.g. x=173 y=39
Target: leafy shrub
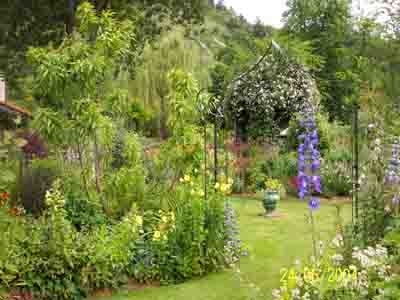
x=34 y=146
x=284 y=167
x=35 y=181
x=118 y=160
x=9 y=151
x=191 y=238
x=123 y=188
x=108 y=251
x=328 y=133
x=336 y=173
x=49 y=256
x=256 y=177
x=53 y=260
x=126 y=185
x=82 y=212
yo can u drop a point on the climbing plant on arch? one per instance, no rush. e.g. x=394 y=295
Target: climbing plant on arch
x=263 y=100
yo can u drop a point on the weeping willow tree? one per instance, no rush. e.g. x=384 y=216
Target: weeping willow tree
x=174 y=50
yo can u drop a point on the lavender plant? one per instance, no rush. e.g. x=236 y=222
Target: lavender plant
x=232 y=240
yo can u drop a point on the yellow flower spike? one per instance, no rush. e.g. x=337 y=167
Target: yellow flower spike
x=164 y=219
x=181 y=180
x=172 y=216
x=223 y=188
x=217 y=185
x=201 y=193
x=139 y=220
x=156 y=235
x=186 y=178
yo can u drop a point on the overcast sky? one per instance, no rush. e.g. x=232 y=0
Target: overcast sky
x=269 y=11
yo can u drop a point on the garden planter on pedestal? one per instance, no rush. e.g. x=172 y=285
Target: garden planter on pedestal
x=270 y=201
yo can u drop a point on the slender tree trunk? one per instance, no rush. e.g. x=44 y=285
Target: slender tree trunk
x=163 y=119
x=70 y=19
x=102 y=4
x=215 y=151
x=97 y=162
x=83 y=175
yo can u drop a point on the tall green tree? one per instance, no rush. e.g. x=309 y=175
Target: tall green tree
x=36 y=23
x=71 y=85
x=328 y=25
x=172 y=51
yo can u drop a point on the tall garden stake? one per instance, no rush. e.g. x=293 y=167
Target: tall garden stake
x=226 y=156
x=205 y=160
x=215 y=150
x=355 y=173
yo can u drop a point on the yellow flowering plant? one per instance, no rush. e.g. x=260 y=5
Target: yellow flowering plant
x=272 y=185
x=166 y=224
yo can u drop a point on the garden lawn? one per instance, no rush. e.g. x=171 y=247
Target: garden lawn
x=272 y=243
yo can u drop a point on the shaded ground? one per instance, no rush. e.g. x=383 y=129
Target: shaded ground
x=273 y=243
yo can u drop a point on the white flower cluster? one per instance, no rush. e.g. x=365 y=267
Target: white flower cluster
x=370 y=257
x=272 y=92
x=54 y=198
x=338 y=242
x=358 y=279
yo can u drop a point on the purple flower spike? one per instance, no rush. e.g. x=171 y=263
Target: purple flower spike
x=314 y=135
x=315 y=165
x=314 y=203
x=392 y=176
x=317 y=183
x=309 y=182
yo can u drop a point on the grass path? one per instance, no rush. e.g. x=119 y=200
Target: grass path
x=273 y=244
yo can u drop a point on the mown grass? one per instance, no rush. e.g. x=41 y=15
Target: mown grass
x=273 y=244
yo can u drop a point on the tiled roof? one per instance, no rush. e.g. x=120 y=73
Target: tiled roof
x=12 y=108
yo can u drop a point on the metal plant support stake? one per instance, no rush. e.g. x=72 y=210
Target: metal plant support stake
x=200 y=106
x=226 y=156
x=355 y=171
x=215 y=150
x=205 y=161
